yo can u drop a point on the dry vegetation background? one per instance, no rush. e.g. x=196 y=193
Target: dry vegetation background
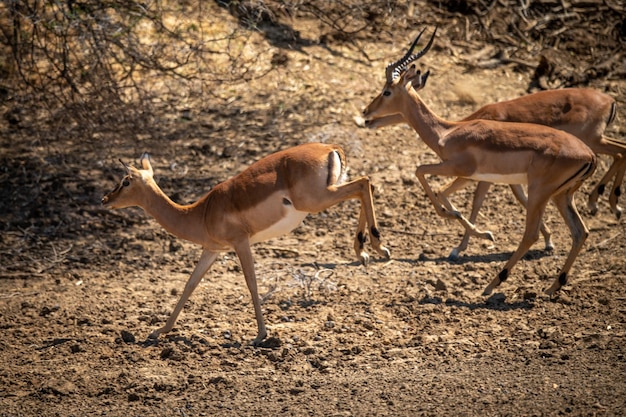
x=207 y=87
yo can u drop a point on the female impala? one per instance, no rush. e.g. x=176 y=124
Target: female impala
x=553 y=163
x=268 y=199
x=583 y=112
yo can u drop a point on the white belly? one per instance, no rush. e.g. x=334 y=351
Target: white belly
x=521 y=178
x=286 y=224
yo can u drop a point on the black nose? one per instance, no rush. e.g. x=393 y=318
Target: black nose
x=104 y=200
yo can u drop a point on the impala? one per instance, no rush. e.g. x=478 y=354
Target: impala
x=268 y=199
x=552 y=163
x=583 y=112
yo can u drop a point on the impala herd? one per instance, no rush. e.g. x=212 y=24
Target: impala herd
x=547 y=141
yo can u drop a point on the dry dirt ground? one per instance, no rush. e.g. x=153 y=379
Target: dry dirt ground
x=81 y=287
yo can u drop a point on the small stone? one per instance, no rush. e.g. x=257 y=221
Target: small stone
x=127 y=337
x=440 y=286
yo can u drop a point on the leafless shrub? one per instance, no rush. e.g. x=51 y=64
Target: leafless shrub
x=100 y=59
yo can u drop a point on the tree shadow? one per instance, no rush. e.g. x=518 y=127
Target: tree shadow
x=258 y=17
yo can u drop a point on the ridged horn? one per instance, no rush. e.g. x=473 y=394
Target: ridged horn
x=394 y=69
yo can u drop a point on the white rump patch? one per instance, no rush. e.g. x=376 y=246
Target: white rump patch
x=338 y=174
x=520 y=178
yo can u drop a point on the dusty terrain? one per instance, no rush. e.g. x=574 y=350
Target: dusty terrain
x=82 y=287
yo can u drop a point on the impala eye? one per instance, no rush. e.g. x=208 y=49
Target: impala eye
x=386 y=93
x=125 y=183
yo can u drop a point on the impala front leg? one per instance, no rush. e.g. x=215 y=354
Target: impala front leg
x=244 y=253
x=440 y=208
x=206 y=260
x=479 y=196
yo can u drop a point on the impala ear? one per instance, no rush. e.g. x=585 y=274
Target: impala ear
x=418 y=80
x=145 y=162
x=411 y=72
x=424 y=78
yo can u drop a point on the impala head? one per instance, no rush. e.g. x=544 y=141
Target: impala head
x=128 y=192
x=399 y=78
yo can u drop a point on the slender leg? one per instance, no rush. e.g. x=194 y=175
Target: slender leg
x=453 y=187
x=359 y=189
x=445 y=169
x=479 y=197
x=578 y=230
x=367 y=207
x=592 y=204
x=616 y=190
x=206 y=260
x=518 y=192
x=617 y=150
x=534 y=212
x=244 y=253
x=361 y=237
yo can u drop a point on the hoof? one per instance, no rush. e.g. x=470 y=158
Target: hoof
x=364 y=258
x=258 y=341
x=488 y=290
x=552 y=290
x=454 y=255
x=549 y=247
x=384 y=252
x=492 y=285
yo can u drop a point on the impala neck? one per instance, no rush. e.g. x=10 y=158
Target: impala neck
x=427 y=124
x=183 y=221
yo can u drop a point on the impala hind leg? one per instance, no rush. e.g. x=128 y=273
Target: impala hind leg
x=616 y=190
x=518 y=192
x=567 y=208
x=206 y=260
x=534 y=212
x=358 y=189
x=361 y=238
x=367 y=217
x=442 y=205
x=617 y=150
